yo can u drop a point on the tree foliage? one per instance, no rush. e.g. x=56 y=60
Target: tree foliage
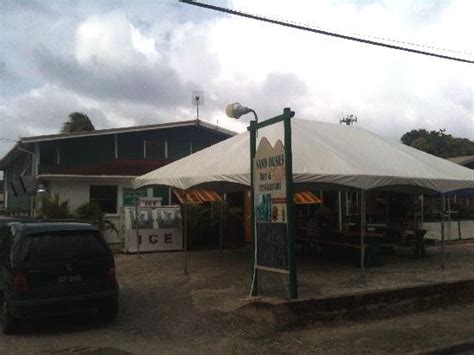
x=78 y=122
x=51 y=208
x=438 y=143
x=92 y=213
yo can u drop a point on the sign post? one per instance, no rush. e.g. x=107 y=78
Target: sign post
x=273 y=207
x=293 y=279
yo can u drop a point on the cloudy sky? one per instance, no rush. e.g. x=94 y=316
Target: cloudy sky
x=138 y=62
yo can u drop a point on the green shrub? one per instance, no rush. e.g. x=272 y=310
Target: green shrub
x=53 y=209
x=91 y=212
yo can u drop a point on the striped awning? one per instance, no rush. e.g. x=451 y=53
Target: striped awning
x=196 y=196
x=306 y=198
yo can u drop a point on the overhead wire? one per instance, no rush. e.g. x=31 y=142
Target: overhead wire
x=295 y=25
x=7 y=140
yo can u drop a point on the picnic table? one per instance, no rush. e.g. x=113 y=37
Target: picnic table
x=312 y=236
x=376 y=241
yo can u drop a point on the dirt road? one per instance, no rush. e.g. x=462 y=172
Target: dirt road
x=165 y=311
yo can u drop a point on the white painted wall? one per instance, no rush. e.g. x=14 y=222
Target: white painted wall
x=434 y=229
x=77 y=193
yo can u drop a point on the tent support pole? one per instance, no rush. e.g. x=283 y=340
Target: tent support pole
x=459 y=229
x=339 y=203
x=137 y=227
x=221 y=224
x=422 y=208
x=185 y=238
x=442 y=232
x=362 y=230
x=449 y=218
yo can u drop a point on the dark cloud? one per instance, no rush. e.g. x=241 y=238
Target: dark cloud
x=150 y=84
x=44 y=79
x=15 y=6
x=43 y=112
x=268 y=98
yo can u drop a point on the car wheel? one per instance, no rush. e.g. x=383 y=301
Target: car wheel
x=9 y=324
x=109 y=312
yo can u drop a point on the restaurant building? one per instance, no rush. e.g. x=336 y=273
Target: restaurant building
x=98 y=165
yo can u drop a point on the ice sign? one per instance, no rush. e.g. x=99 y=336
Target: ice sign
x=150 y=202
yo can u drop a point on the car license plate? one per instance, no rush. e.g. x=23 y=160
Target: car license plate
x=69 y=278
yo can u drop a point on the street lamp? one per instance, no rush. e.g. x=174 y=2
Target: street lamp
x=236 y=110
x=41 y=188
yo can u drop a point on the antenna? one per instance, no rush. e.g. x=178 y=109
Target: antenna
x=197 y=100
x=349 y=119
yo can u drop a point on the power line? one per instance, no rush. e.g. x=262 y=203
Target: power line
x=7 y=140
x=323 y=32
x=379 y=38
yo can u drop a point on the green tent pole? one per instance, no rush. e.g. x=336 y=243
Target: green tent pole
x=253 y=144
x=137 y=227
x=362 y=230
x=443 y=211
x=185 y=237
x=221 y=224
x=293 y=278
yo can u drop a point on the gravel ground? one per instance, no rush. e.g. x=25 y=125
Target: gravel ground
x=165 y=311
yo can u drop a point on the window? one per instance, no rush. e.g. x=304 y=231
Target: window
x=105 y=196
x=155 y=150
x=62 y=245
x=352 y=204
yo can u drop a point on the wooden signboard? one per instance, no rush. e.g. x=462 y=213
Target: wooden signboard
x=271 y=214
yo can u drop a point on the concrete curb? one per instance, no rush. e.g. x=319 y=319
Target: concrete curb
x=464 y=348
x=360 y=305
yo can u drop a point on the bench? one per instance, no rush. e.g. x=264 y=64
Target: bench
x=314 y=240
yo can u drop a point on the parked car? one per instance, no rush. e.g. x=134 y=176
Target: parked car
x=54 y=268
x=5 y=220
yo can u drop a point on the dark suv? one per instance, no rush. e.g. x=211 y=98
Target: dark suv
x=54 y=268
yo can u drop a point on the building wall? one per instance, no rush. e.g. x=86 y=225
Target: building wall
x=110 y=154
x=179 y=142
x=77 y=192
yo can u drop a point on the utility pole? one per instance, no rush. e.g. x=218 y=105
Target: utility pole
x=348 y=120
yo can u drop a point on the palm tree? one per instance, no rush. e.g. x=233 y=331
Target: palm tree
x=78 y=122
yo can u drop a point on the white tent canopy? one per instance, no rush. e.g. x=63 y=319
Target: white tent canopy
x=324 y=154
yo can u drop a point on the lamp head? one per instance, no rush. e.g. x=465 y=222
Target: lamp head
x=236 y=110
x=41 y=188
